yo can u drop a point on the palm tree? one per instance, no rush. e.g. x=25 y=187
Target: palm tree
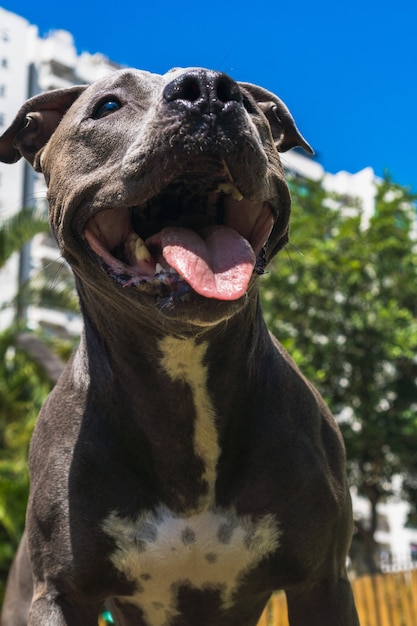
x=43 y=288
x=18 y=230
x=15 y=235
x=22 y=391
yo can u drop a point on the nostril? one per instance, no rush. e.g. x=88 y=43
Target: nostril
x=227 y=90
x=184 y=88
x=191 y=90
x=203 y=90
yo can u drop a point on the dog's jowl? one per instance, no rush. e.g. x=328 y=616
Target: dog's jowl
x=182 y=469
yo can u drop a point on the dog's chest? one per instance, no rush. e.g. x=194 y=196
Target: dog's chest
x=163 y=553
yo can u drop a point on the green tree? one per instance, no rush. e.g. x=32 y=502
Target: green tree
x=53 y=286
x=18 y=230
x=23 y=388
x=344 y=303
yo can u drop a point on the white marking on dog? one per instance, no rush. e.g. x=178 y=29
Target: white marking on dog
x=182 y=360
x=81 y=375
x=161 y=551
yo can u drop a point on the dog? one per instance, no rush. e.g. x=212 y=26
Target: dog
x=182 y=469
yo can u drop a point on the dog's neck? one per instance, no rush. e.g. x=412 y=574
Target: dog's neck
x=129 y=334
x=186 y=396
x=131 y=348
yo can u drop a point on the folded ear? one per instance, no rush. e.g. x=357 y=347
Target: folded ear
x=34 y=125
x=284 y=130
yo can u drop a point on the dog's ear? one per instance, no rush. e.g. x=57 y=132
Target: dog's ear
x=284 y=130
x=34 y=125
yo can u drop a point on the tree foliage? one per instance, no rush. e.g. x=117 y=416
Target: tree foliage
x=19 y=229
x=23 y=388
x=344 y=303
x=52 y=286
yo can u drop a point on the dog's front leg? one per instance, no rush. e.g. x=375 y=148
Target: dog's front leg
x=329 y=603
x=49 y=611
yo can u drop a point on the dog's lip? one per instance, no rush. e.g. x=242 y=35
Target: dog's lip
x=131 y=260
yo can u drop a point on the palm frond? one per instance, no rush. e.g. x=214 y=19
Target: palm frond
x=17 y=230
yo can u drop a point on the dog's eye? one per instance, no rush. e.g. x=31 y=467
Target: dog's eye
x=106 y=107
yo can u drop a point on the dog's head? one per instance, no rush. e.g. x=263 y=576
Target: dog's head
x=167 y=189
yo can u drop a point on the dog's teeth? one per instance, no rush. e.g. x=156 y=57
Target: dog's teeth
x=138 y=248
x=230 y=189
x=161 y=270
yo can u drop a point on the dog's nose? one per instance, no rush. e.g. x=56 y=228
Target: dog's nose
x=204 y=90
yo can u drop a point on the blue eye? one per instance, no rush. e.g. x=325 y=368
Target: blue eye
x=106 y=107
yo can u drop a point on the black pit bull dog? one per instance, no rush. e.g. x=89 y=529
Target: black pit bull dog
x=182 y=469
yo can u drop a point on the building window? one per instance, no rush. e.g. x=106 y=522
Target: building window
x=2 y=119
x=4 y=63
x=4 y=35
x=2 y=91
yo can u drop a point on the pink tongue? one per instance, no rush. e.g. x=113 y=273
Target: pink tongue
x=218 y=266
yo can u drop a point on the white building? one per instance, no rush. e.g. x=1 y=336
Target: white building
x=30 y=64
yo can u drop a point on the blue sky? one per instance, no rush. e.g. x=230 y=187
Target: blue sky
x=347 y=71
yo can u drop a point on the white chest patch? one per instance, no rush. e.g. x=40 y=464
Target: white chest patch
x=161 y=551
x=183 y=361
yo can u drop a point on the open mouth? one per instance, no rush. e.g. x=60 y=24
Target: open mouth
x=198 y=233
